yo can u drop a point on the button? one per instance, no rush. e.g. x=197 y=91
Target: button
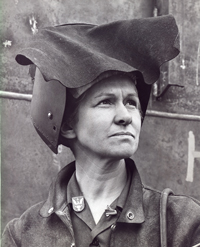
x=50 y=210
x=73 y=245
x=113 y=227
x=130 y=215
x=50 y=115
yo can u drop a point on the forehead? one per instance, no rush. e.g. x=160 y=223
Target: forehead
x=113 y=84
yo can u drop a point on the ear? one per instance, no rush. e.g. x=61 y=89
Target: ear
x=67 y=131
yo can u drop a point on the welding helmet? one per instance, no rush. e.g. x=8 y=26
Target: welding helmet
x=73 y=56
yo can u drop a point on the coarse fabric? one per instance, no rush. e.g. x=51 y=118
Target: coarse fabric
x=49 y=223
x=76 y=54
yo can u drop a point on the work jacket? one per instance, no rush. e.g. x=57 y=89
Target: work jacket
x=48 y=224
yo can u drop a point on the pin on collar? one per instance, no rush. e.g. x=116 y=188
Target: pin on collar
x=110 y=211
x=78 y=203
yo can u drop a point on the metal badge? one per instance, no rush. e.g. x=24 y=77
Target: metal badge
x=110 y=211
x=78 y=203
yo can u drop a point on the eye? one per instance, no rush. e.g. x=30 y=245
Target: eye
x=105 y=102
x=132 y=103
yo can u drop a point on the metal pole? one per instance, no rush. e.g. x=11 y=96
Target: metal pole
x=17 y=96
x=151 y=113
x=172 y=115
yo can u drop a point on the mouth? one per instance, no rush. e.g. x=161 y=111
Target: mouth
x=123 y=134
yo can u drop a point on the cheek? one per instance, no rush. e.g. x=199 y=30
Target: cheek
x=89 y=124
x=139 y=125
x=137 y=121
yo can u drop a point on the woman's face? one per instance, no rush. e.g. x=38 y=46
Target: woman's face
x=109 y=121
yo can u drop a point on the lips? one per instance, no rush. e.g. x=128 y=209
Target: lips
x=122 y=133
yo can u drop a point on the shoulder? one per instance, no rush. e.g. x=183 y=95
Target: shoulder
x=173 y=199
x=176 y=202
x=31 y=227
x=182 y=214
x=183 y=218
x=13 y=230
x=23 y=227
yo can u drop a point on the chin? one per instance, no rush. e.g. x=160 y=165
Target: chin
x=123 y=154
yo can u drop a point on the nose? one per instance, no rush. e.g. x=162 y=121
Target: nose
x=122 y=115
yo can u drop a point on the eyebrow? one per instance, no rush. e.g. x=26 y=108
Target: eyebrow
x=104 y=94
x=112 y=94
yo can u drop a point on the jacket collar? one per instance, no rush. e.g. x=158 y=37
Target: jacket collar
x=132 y=212
x=57 y=192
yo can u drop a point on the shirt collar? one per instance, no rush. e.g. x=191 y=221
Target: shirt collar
x=132 y=210
x=73 y=190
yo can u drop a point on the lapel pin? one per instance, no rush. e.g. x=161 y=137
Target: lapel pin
x=110 y=211
x=78 y=203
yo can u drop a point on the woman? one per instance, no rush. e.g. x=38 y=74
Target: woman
x=92 y=86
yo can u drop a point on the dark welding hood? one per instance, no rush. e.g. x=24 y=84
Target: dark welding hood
x=74 y=55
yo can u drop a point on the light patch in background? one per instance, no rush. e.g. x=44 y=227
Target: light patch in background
x=33 y=24
x=7 y=43
x=197 y=245
x=183 y=66
x=192 y=154
x=197 y=68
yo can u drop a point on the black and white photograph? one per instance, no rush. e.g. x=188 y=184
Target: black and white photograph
x=100 y=123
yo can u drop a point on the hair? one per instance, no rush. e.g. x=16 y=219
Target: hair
x=71 y=108
x=70 y=116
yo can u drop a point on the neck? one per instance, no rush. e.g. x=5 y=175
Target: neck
x=101 y=182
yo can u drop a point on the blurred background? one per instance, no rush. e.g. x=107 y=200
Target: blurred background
x=169 y=150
